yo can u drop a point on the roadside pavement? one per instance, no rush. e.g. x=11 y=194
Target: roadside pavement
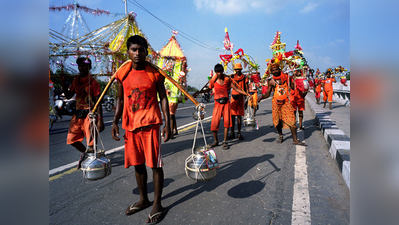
x=335 y=126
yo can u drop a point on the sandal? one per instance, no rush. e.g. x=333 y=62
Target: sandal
x=225 y=146
x=160 y=215
x=240 y=137
x=134 y=209
x=280 y=139
x=300 y=143
x=231 y=135
x=214 y=144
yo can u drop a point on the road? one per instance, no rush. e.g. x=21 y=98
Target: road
x=259 y=181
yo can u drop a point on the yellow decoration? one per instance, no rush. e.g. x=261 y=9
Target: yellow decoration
x=172 y=49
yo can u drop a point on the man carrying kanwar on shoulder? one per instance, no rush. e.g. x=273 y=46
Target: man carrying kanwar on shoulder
x=137 y=103
x=237 y=101
x=328 y=89
x=87 y=91
x=282 y=110
x=297 y=98
x=221 y=84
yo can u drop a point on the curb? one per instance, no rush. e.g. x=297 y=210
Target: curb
x=338 y=143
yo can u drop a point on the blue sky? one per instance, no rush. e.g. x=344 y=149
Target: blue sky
x=322 y=28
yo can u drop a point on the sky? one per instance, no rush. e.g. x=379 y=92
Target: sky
x=322 y=28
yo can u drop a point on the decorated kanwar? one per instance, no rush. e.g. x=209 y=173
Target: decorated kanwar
x=282 y=110
x=174 y=62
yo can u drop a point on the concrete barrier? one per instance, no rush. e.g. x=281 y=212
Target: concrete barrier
x=338 y=143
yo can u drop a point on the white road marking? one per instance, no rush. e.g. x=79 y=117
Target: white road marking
x=301 y=200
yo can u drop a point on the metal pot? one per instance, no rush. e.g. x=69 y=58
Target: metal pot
x=249 y=120
x=197 y=169
x=96 y=166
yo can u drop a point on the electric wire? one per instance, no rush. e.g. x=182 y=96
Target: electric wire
x=183 y=34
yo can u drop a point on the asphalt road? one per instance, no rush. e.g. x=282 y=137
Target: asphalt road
x=259 y=181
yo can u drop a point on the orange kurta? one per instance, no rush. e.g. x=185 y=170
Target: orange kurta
x=220 y=110
x=141 y=106
x=237 y=105
x=284 y=112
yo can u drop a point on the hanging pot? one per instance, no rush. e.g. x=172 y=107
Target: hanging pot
x=249 y=120
x=202 y=166
x=96 y=166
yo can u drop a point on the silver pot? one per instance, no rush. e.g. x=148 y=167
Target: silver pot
x=249 y=121
x=197 y=169
x=96 y=166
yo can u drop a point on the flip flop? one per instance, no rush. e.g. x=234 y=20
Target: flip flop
x=160 y=215
x=134 y=209
x=280 y=139
x=225 y=146
x=300 y=143
x=214 y=144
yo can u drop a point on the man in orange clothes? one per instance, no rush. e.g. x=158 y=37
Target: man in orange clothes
x=298 y=99
x=328 y=89
x=253 y=84
x=237 y=102
x=221 y=85
x=138 y=86
x=87 y=91
x=317 y=82
x=282 y=110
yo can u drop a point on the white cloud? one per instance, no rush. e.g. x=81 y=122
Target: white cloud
x=309 y=7
x=234 y=7
x=336 y=42
x=318 y=60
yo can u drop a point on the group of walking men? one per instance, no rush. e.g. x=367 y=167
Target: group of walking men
x=137 y=103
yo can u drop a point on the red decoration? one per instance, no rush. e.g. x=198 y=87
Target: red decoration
x=226 y=58
x=226 y=41
x=68 y=7
x=239 y=51
x=288 y=54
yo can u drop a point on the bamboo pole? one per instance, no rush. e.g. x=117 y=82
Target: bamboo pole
x=163 y=73
x=107 y=87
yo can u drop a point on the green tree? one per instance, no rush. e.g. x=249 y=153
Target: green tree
x=348 y=75
x=191 y=89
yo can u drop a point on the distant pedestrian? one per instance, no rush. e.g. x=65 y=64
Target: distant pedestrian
x=298 y=99
x=328 y=89
x=282 y=110
x=253 y=85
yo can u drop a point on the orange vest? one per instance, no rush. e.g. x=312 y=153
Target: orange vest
x=240 y=81
x=140 y=107
x=221 y=91
x=281 y=92
x=328 y=84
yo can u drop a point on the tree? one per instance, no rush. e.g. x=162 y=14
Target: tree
x=191 y=89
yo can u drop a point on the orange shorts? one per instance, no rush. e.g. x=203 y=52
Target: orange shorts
x=218 y=111
x=143 y=145
x=237 y=106
x=328 y=95
x=172 y=108
x=78 y=129
x=300 y=105
x=254 y=102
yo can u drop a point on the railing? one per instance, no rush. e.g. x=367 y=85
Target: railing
x=342 y=93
